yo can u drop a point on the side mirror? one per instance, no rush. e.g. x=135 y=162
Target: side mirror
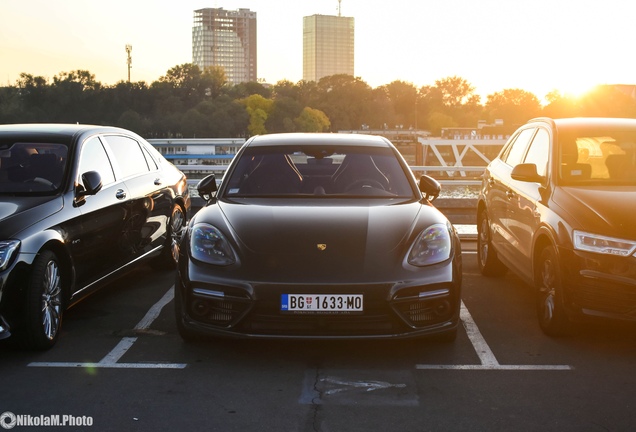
x=91 y=184
x=429 y=187
x=526 y=172
x=207 y=187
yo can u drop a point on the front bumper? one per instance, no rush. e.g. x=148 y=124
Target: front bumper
x=599 y=285
x=254 y=310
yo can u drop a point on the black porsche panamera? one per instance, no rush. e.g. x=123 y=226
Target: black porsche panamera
x=319 y=236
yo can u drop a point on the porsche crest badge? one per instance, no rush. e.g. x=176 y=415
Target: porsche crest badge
x=321 y=246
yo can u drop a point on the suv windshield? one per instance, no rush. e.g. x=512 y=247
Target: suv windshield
x=31 y=168
x=317 y=171
x=598 y=156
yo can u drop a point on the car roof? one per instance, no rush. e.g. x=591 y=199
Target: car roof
x=295 y=139
x=577 y=122
x=58 y=130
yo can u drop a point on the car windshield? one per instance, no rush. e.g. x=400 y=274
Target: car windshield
x=602 y=156
x=318 y=171
x=31 y=168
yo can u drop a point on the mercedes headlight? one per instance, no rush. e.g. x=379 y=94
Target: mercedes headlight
x=8 y=249
x=432 y=246
x=604 y=245
x=209 y=245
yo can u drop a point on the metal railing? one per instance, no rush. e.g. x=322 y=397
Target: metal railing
x=460 y=211
x=445 y=174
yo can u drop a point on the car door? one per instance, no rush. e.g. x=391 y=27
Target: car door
x=94 y=236
x=526 y=205
x=501 y=196
x=150 y=199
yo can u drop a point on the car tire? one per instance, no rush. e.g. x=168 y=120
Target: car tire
x=170 y=254
x=44 y=303
x=487 y=259
x=551 y=312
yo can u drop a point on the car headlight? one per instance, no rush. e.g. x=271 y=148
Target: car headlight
x=209 y=245
x=7 y=250
x=604 y=245
x=433 y=245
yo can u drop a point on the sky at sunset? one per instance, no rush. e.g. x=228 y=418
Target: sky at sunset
x=538 y=46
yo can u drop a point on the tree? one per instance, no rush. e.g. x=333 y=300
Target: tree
x=213 y=80
x=283 y=112
x=438 y=120
x=192 y=123
x=11 y=109
x=455 y=91
x=258 y=109
x=606 y=101
x=403 y=97
x=513 y=106
x=76 y=95
x=345 y=100
x=312 y=120
x=243 y=90
x=186 y=83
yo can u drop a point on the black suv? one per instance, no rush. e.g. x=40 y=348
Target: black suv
x=556 y=207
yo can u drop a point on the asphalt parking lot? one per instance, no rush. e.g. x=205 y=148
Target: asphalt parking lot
x=121 y=365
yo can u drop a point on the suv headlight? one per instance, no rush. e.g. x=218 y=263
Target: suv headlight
x=8 y=249
x=209 y=245
x=604 y=245
x=433 y=245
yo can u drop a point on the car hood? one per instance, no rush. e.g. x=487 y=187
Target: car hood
x=18 y=213
x=606 y=211
x=335 y=239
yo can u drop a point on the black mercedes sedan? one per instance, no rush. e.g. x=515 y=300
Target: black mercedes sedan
x=79 y=205
x=556 y=207
x=319 y=236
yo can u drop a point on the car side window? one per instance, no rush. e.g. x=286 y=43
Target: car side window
x=539 y=152
x=149 y=159
x=94 y=158
x=129 y=156
x=518 y=148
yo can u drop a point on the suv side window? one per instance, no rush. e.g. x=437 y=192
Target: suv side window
x=539 y=152
x=518 y=148
x=130 y=159
x=94 y=158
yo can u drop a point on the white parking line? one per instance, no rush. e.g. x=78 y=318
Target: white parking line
x=485 y=354
x=111 y=359
x=154 y=311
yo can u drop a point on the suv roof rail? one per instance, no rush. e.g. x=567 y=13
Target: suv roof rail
x=543 y=119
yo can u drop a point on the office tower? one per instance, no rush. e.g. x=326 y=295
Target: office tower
x=328 y=46
x=227 y=39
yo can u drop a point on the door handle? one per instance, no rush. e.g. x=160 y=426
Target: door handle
x=158 y=182
x=510 y=194
x=120 y=194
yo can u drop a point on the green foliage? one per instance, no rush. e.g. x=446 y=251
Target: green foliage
x=312 y=120
x=189 y=102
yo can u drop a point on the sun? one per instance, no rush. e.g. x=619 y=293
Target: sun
x=576 y=87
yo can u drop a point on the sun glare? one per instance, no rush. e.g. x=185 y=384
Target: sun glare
x=576 y=88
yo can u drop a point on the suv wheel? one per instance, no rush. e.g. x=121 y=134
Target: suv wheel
x=487 y=260
x=550 y=305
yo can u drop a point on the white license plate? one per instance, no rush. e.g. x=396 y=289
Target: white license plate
x=322 y=303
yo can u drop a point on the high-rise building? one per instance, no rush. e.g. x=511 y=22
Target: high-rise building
x=227 y=39
x=328 y=46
